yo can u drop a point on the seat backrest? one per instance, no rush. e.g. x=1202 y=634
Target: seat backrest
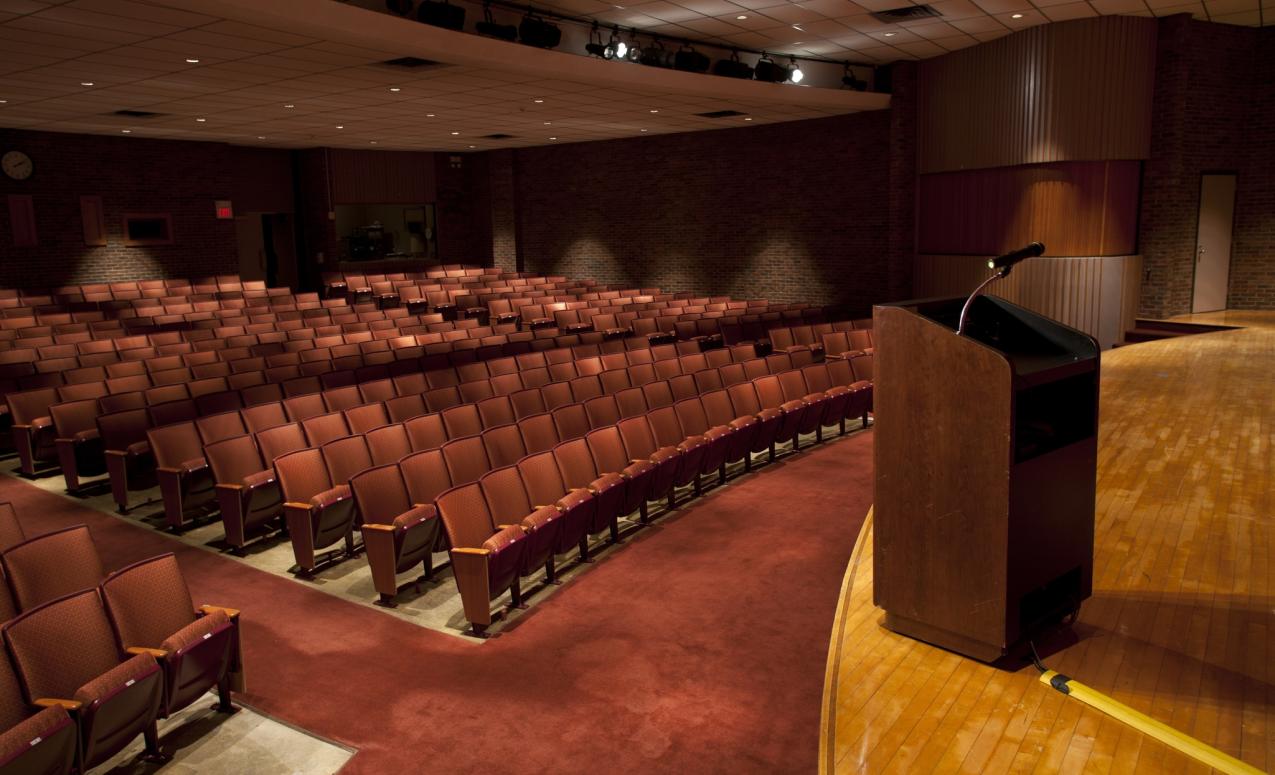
x=426 y=431
x=542 y=478
x=494 y=411
x=388 y=443
x=539 y=433
x=340 y=398
x=148 y=601
x=73 y=417
x=664 y=424
x=769 y=392
x=504 y=445
x=691 y=416
x=381 y=493
x=462 y=420
x=49 y=566
x=465 y=515
x=507 y=498
x=302 y=474
x=527 y=402
x=405 y=407
x=11 y=532
x=262 y=416
x=607 y=449
x=426 y=475
x=466 y=459
x=79 y=621
x=743 y=398
x=638 y=438
x=325 y=427
x=571 y=421
x=30 y=405
x=216 y=427
x=602 y=410
x=175 y=444
x=575 y=462
x=793 y=384
x=280 y=440
x=861 y=365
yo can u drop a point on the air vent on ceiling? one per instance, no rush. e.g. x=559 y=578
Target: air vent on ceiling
x=720 y=114
x=413 y=63
x=136 y=113
x=905 y=14
x=497 y=136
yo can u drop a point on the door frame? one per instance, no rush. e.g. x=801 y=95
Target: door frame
x=1195 y=243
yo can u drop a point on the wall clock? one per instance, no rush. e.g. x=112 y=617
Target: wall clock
x=17 y=165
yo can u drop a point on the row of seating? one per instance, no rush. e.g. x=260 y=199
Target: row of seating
x=93 y=660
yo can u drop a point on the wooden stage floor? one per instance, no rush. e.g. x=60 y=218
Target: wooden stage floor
x=1182 y=615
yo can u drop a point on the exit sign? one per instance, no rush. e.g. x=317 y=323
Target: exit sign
x=225 y=211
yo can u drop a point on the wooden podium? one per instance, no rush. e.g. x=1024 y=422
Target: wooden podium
x=986 y=458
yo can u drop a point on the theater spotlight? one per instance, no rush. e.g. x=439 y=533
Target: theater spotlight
x=444 y=14
x=488 y=26
x=849 y=81
x=635 y=51
x=616 y=48
x=594 y=46
x=794 y=73
x=534 y=31
x=656 y=56
x=768 y=71
x=690 y=60
x=732 y=68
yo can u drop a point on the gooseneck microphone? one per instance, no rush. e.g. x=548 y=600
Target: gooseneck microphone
x=1008 y=260
x=1002 y=264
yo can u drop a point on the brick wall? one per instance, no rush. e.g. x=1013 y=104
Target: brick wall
x=1213 y=111
x=798 y=211
x=132 y=175
x=504 y=228
x=901 y=232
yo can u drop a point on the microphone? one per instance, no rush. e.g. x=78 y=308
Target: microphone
x=1014 y=256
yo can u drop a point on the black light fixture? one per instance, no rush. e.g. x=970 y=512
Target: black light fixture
x=794 y=73
x=635 y=51
x=690 y=60
x=849 y=81
x=534 y=31
x=444 y=14
x=768 y=71
x=488 y=26
x=400 y=7
x=732 y=68
x=655 y=55
x=594 y=46
x=616 y=48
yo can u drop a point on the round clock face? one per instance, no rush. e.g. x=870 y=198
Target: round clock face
x=16 y=165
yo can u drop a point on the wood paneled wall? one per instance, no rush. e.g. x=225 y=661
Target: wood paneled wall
x=1095 y=294
x=381 y=177
x=1076 y=208
x=1077 y=90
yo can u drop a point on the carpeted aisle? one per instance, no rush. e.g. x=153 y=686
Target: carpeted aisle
x=697 y=647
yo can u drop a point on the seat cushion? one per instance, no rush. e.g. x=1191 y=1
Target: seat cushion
x=87 y=435
x=193 y=465
x=414 y=516
x=27 y=733
x=573 y=499
x=138 y=448
x=637 y=469
x=114 y=680
x=541 y=518
x=259 y=479
x=196 y=632
x=329 y=497
x=504 y=539
x=606 y=482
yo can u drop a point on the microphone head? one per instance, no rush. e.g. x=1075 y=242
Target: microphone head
x=1031 y=250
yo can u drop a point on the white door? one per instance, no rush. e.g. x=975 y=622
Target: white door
x=252 y=249
x=1213 y=242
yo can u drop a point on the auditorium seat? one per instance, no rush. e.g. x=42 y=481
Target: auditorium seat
x=185 y=481
x=33 y=432
x=542 y=477
x=79 y=444
x=319 y=512
x=39 y=742
x=397 y=534
x=111 y=700
x=580 y=472
x=668 y=433
x=388 y=443
x=129 y=460
x=152 y=613
x=639 y=444
x=743 y=398
x=793 y=412
x=246 y=488
x=509 y=505
x=485 y=561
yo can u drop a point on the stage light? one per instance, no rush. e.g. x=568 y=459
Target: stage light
x=616 y=48
x=635 y=51
x=534 y=31
x=732 y=68
x=441 y=14
x=769 y=72
x=690 y=60
x=655 y=55
x=489 y=27
x=594 y=46
x=794 y=73
x=849 y=81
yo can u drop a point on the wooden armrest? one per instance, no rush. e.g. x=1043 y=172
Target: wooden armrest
x=116 y=452
x=506 y=527
x=229 y=486
x=231 y=613
x=48 y=702
x=23 y=426
x=165 y=470
x=471 y=550
x=295 y=505
x=157 y=653
x=378 y=527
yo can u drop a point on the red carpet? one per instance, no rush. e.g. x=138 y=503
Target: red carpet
x=697 y=647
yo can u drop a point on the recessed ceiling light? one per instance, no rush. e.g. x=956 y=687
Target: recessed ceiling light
x=201 y=120
x=455 y=133
x=890 y=34
x=537 y=101
x=190 y=61
x=1016 y=16
x=4 y=102
x=641 y=130
x=553 y=138
x=748 y=118
x=548 y=123
x=289 y=105
x=373 y=142
x=395 y=88
x=798 y=28
x=127 y=131
x=742 y=16
x=654 y=111
x=340 y=126
x=473 y=146
x=261 y=137
x=429 y=115
x=86 y=83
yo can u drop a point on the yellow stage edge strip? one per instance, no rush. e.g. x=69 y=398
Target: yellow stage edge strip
x=1143 y=723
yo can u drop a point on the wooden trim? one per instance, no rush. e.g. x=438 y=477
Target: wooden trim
x=167 y=239
x=93 y=220
x=828 y=714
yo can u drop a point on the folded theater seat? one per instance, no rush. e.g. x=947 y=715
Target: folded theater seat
x=33 y=432
x=397 y=534
x=319 y=512
x=78 y=441
x=247 y=490
x=51 y=565
x=197 y=649
x=185 y=480
x=65 y=655
x=129 y=459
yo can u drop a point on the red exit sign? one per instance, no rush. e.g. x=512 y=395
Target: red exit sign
x=225 y=211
